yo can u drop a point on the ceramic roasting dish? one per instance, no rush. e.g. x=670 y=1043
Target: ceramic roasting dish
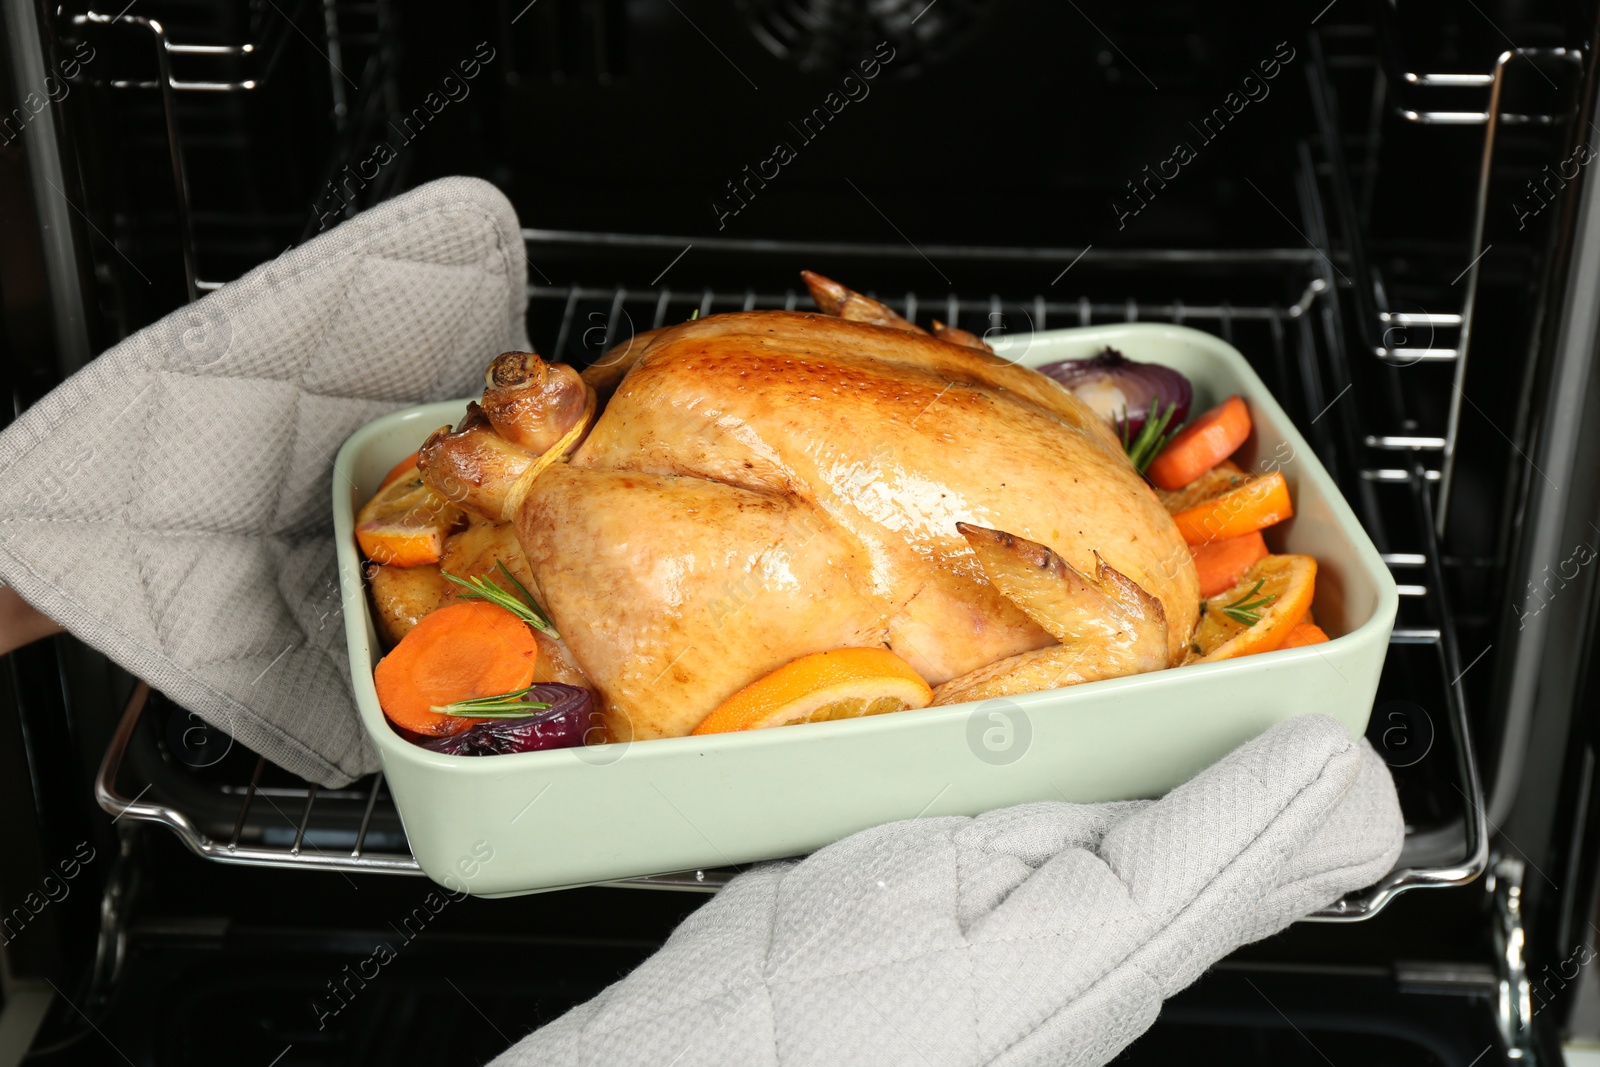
x=568 y=817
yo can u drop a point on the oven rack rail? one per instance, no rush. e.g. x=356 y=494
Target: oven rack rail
x=1411 y=97
x=344 y=24
x=309 y=819
x=306 y=807
x=1403 y=91
x=351 y=32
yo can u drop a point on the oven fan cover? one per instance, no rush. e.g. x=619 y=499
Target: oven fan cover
x=822 y=36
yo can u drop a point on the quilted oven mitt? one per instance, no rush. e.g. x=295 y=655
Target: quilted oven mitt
x=1041 y=934
x=170 y=504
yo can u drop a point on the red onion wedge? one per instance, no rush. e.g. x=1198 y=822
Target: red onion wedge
x=1122 y=391
x=563 y=724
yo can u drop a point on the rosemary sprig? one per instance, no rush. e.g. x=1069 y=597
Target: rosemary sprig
x=1152 y=437
x=527 y=609
x=1246 y=611
x=500 y=706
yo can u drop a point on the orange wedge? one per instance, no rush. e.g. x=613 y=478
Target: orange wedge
x=1305 y=632
x=1259 y=613
x=398 y=470
x=1255 y=504
x=405 y=523
x=1210 y=485
x=843 y=684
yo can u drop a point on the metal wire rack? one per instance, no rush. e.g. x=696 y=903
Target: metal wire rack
x=1287 y=339
x=354 y=33
x=1379 y=323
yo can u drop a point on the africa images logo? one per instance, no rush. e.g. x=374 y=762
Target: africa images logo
x=999 y=732
x=851 y=89
x=1251 y=90
x=343 y=188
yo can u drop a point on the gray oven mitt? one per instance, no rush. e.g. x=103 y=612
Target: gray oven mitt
x=1041 y=934
x=171 y=503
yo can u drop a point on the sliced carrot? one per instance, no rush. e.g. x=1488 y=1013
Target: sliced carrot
x=468 y=649
x=1201 y=445
x=1221 y=563
x=1305 y=632
x=1255 y=505
x=398 y=471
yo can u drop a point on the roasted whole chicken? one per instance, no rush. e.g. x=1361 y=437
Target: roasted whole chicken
x=717 y=498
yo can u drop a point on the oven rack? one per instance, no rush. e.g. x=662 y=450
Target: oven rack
x=1378 y=48
x=352 y=830
x=350 y=33
x=262 y=57
x=257 y=59
x=356 y=829
x=1401 y=90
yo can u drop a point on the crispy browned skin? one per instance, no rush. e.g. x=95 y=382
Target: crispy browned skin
x=529 y=402
x=764 y=485
x=768 y=484
x=401 y=596
x=836 y=300
x=604 y=373
x=957 y=336
x=472 y=466
x=1106 y=625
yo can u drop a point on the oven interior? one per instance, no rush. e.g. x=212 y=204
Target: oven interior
x=1373 y=224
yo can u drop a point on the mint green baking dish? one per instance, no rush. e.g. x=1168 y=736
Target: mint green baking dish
x=579 y=816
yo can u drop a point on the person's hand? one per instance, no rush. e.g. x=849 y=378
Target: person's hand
x=20 y=623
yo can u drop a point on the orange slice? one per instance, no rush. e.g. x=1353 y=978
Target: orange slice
x=405 y=523
x=1259 y=613
x=843 y=684
x=1255 y=504
x=1305 y=632
x=398 y=470
x=1210 y=485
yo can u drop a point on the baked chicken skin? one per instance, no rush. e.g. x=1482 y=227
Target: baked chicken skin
x=715 y=499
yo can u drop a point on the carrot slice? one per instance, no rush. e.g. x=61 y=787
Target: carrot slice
x=1305 y=632
x=468 y=649
x=398 y=471
x=1201 y=445
x=1255 y=505
x=1221 y=563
